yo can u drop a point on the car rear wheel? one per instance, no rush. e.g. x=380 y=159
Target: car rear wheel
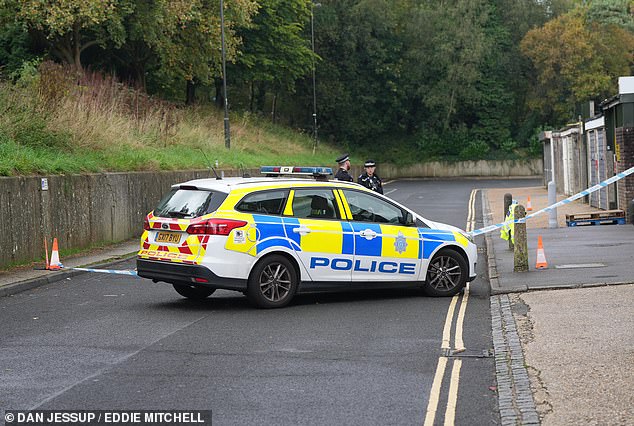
x=272 y=283
x=193 y=292
x=447 y=274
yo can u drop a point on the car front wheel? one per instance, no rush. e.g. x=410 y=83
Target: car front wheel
x=446 y=274
x=272 y=283
x=193 y=292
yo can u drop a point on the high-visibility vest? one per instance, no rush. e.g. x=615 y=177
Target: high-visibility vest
x=508 y=230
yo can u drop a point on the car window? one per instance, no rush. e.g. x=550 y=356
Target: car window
x=369 y=208
x=263 y=202
x=315 y=203
x=188 y=203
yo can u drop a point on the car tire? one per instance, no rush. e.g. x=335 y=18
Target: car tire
x=446 y=274
x=193 y=292
x=272 y=283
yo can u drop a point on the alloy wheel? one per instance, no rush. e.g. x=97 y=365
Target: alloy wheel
x=444 y=273
x=275 y=282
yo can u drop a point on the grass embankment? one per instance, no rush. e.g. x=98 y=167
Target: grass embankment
x=53 y=125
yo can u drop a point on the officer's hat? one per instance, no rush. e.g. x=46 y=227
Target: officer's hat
x=343 y=159
x=369 y=163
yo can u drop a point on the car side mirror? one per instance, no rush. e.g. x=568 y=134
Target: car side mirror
x=409 y=219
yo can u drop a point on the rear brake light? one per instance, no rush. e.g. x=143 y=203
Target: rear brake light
x=215 y=226
x=146 y=224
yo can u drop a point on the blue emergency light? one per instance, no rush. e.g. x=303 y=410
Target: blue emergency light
x=294 y=170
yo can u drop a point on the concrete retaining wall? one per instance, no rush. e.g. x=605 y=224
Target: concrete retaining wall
x=85 y=210
x=463 y=169
x=80 y=210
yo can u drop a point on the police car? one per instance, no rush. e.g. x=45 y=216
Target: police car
x=273 y=237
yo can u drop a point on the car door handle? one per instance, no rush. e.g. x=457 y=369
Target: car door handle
x=302 y=230
x=368 y=234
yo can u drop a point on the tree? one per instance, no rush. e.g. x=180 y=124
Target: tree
x=460 y=48
x=274 y=53
x=612 y=12
x=70 y=27
x=576 y=60
x=360 y=43
x=187 y=40
x=14 y=48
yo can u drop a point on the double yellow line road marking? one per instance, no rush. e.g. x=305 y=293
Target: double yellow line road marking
x=446 y=349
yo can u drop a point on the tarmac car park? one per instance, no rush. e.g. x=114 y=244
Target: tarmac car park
x=272 y=237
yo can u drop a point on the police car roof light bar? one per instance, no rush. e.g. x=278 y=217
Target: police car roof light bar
x=319 y=173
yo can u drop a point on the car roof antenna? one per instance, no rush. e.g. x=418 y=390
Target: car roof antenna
x=244 y=172
x=209 y=166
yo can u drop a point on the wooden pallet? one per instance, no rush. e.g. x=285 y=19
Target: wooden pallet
x=602 y=217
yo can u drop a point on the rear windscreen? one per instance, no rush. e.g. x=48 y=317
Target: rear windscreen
x=189 y=203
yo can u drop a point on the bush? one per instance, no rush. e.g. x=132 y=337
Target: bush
x=474 y=150
x=27 y=74
x=508 y=145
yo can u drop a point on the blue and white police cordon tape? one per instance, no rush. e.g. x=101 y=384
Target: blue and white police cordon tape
x=568 y=200
x=474 y=233
x=107 y=271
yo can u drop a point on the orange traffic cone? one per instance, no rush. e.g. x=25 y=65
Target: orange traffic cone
x=529 y=206
x=541 y=256
x=55 y=263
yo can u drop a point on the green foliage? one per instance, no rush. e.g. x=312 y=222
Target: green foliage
x=576 y=59
x=440 y=79
x=14 y=47
x=535 y=147
x=27 y=73
x=474 y=150
x=71 y=26
x=92 y=130
x=273 y=48
x=508 y=146
x=612 y=12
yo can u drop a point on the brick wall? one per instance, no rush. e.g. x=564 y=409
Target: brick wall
x=625 y=158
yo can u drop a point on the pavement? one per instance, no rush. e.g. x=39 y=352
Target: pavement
x=579 y=256
x=23 y=278
x=562 y=336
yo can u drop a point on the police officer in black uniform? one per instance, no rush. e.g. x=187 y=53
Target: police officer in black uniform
x=344 y=166
x=369 y=179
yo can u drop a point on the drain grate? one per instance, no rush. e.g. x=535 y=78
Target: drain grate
x=468 y=353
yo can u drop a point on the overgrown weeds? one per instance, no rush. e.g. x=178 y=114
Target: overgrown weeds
x=69 y=122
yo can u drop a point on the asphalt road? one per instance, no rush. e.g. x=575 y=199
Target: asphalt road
x=100 y=341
